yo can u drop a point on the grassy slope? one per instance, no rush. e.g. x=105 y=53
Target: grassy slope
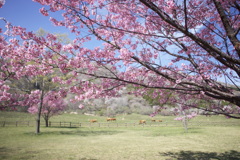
x=138 y=143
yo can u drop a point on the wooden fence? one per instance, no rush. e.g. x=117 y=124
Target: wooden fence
x=16 y=123
x=114 y=124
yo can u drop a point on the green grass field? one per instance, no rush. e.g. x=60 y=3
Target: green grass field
x=119 y=143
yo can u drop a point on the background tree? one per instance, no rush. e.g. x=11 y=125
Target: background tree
x=52 y=104
x=25 y=74
x=45 y=99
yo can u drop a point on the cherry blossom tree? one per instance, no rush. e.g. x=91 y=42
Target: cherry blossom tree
x=189 y=47
x=45 y=100
x=12 y=67
x=185 y=118
x=53 y=104
x=184 y=46
x=22 y=58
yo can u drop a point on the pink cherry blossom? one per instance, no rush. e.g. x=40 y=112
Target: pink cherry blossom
x=81 y=106
x=2 y=2
x=188 y=48
x=44 y=11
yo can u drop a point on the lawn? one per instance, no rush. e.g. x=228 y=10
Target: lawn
x=130 y=143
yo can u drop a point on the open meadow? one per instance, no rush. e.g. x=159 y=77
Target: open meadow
x=162 y=142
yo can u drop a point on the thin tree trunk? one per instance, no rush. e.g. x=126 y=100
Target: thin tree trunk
x=185 y=120
x=46 y=122
x=185 y=123
x=39 y=113
x=37 y=126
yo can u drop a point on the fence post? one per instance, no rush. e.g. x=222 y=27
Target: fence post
x=16 y=123
x=70 y=124
x=4 y=123
x=60 y=123
x=80 y=125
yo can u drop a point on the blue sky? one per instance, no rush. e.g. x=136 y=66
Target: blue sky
x=26 y=13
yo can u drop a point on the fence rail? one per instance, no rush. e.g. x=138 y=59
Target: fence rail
x=16 y=123
x=114 y=124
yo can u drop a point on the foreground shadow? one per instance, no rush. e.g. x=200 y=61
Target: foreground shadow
x=190 y=155
x=77 y=132
x=89 y=133
x=4 y=152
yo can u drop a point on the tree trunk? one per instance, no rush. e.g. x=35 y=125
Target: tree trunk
x=39 y=114
x=185 y=120
x=46 y=122
x=37 y=126
x=185 y=123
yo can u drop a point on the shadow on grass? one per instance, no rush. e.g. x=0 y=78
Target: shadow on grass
x=9 y=153
x=76 y=132
x=89 y=133
x=4 y=152
x=190 y=155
